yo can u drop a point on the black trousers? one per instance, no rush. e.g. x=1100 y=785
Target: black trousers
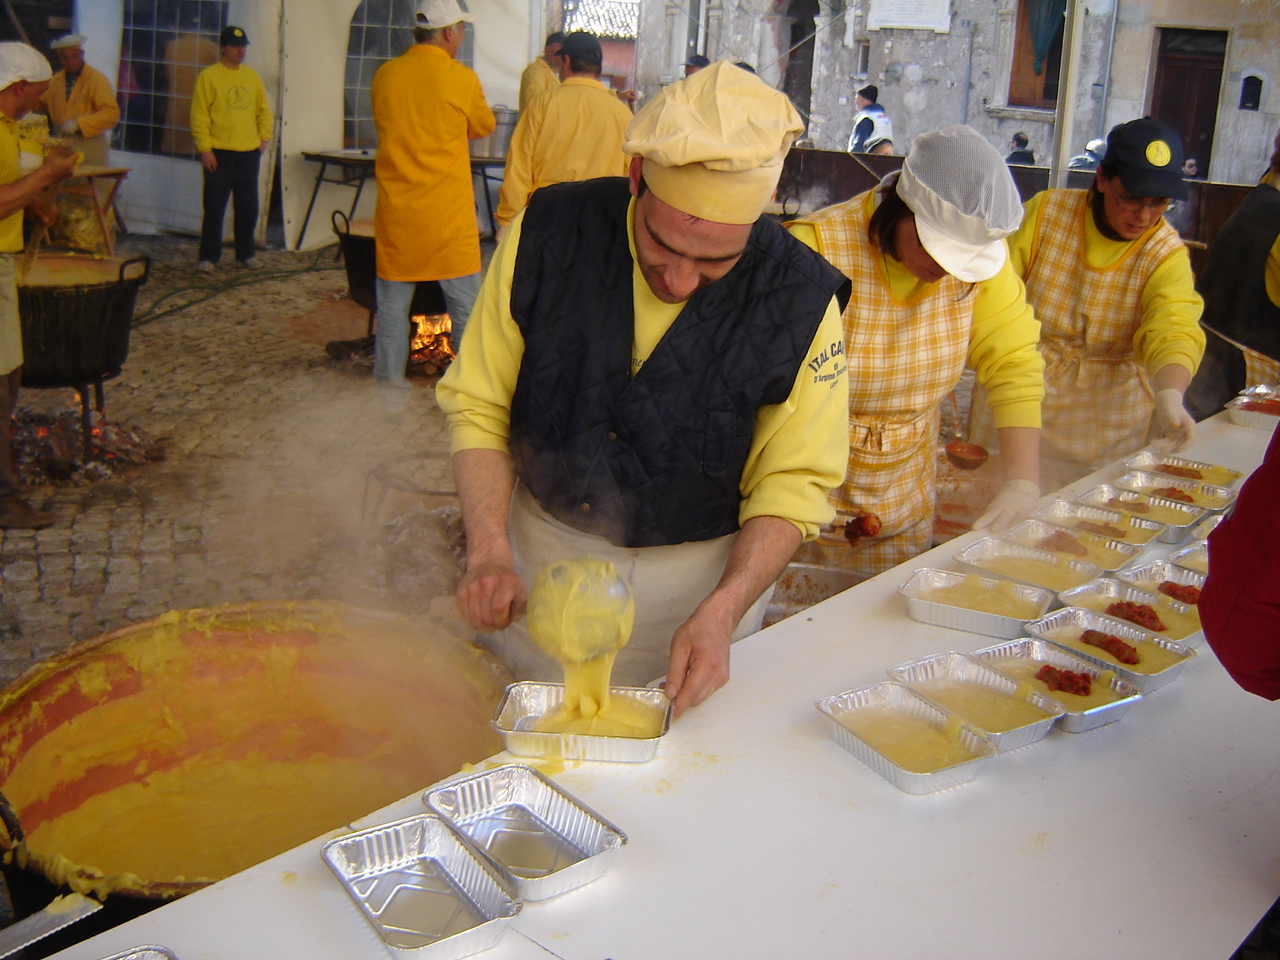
x=236 y=177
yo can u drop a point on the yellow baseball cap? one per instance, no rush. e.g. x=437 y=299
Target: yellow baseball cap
x=713 y=143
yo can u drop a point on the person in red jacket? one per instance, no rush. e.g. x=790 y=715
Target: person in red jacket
x=1240 y=602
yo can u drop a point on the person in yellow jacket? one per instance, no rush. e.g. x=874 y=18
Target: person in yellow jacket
x=80 y=103
x=932 y=289
x=24 y=78
x=231 y=124
x=1112 y=286
x=426 y=106
x=654 y=377
x=572 y=132
x=541 y=74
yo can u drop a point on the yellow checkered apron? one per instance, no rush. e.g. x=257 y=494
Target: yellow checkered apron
x=1098 y=402
x=904 y=358
x=1259 y=368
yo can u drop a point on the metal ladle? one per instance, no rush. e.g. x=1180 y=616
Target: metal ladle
x=963 y=455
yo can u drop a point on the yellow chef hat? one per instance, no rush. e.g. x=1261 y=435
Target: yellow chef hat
x=713 y=143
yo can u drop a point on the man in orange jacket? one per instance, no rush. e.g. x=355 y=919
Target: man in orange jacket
x=426 y=107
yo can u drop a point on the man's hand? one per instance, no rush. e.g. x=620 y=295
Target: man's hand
x=262 y=147
x=491 y=596
x=699 y=659
x=60 y=163
x=209 y=161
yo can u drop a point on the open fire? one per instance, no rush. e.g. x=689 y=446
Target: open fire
x=429 y=353
x=48 y=448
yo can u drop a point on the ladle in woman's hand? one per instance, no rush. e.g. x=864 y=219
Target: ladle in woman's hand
x=579 y=610
x=963 y=455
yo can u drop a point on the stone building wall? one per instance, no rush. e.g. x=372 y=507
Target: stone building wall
x=929 y=80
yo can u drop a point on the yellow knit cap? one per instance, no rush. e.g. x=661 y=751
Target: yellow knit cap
x=713 y=143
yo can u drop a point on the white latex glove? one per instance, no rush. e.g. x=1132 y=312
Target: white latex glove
x=70 y=128
x=1014 y=502
x=1174 y=427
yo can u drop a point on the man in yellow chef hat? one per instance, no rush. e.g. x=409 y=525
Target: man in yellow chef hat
x=24 y=78
x=653 y=375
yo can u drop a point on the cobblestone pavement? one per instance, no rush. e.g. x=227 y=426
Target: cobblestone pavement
x=269 y=450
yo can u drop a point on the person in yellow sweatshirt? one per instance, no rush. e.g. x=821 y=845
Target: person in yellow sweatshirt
x=654 y=376
x=426 y=106
x=541 y=74
x=571 y=132
x=932 y=290
x=1112 y=286
x=80 y=103
x=231 y=124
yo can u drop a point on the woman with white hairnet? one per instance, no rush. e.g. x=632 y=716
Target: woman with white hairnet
x=932 y=290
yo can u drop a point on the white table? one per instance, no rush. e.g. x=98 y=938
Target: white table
x=753 y=835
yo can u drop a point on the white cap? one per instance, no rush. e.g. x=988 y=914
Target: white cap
x=21 y=62
x=434 y=14
x=964 y=200
x=70 y=40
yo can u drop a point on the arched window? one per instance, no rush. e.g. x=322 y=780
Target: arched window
x=380 y=30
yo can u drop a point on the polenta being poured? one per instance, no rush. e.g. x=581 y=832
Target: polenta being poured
x=581 y=613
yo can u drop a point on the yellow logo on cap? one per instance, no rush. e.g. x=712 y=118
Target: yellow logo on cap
x=237 y=32
x=1158 y=153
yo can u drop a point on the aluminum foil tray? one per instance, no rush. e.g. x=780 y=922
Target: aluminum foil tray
x=1078 y=618
x=1271 y=390
x=1042 y=651
x=960 y=668
x=543 y=838
x=1206 y=526
x=1114 y=589
x=975 y=556
x=962 y=618
x=1256 y=419
x=524 y=703
x=1152 y=461
x=1173 y=533
x=896 y=697
x=426 y=891
x=1144 y=481
x=1029 y=533
x=145 y=953
x=1149 y=576
x=1067 y=513
x=1194 y=558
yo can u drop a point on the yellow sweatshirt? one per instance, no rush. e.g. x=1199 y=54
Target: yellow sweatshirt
x=538 y=77
x=572 y=132
x=800 y=447
x=229 y=109
x=1169 y=331
x=91 y=103
x=1001 y=342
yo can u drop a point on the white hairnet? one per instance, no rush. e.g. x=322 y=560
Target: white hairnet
x=964 y=200
x=21 y=62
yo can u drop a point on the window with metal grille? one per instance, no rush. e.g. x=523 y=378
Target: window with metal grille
x=380 y=30
x=164 y=46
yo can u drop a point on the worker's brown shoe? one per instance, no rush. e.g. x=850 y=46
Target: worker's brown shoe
x=17 y=514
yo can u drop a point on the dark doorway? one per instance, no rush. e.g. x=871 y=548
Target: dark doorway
x=797 y=82
x=1187 y=87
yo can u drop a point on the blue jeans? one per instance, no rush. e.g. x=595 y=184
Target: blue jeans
x=391 y=342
